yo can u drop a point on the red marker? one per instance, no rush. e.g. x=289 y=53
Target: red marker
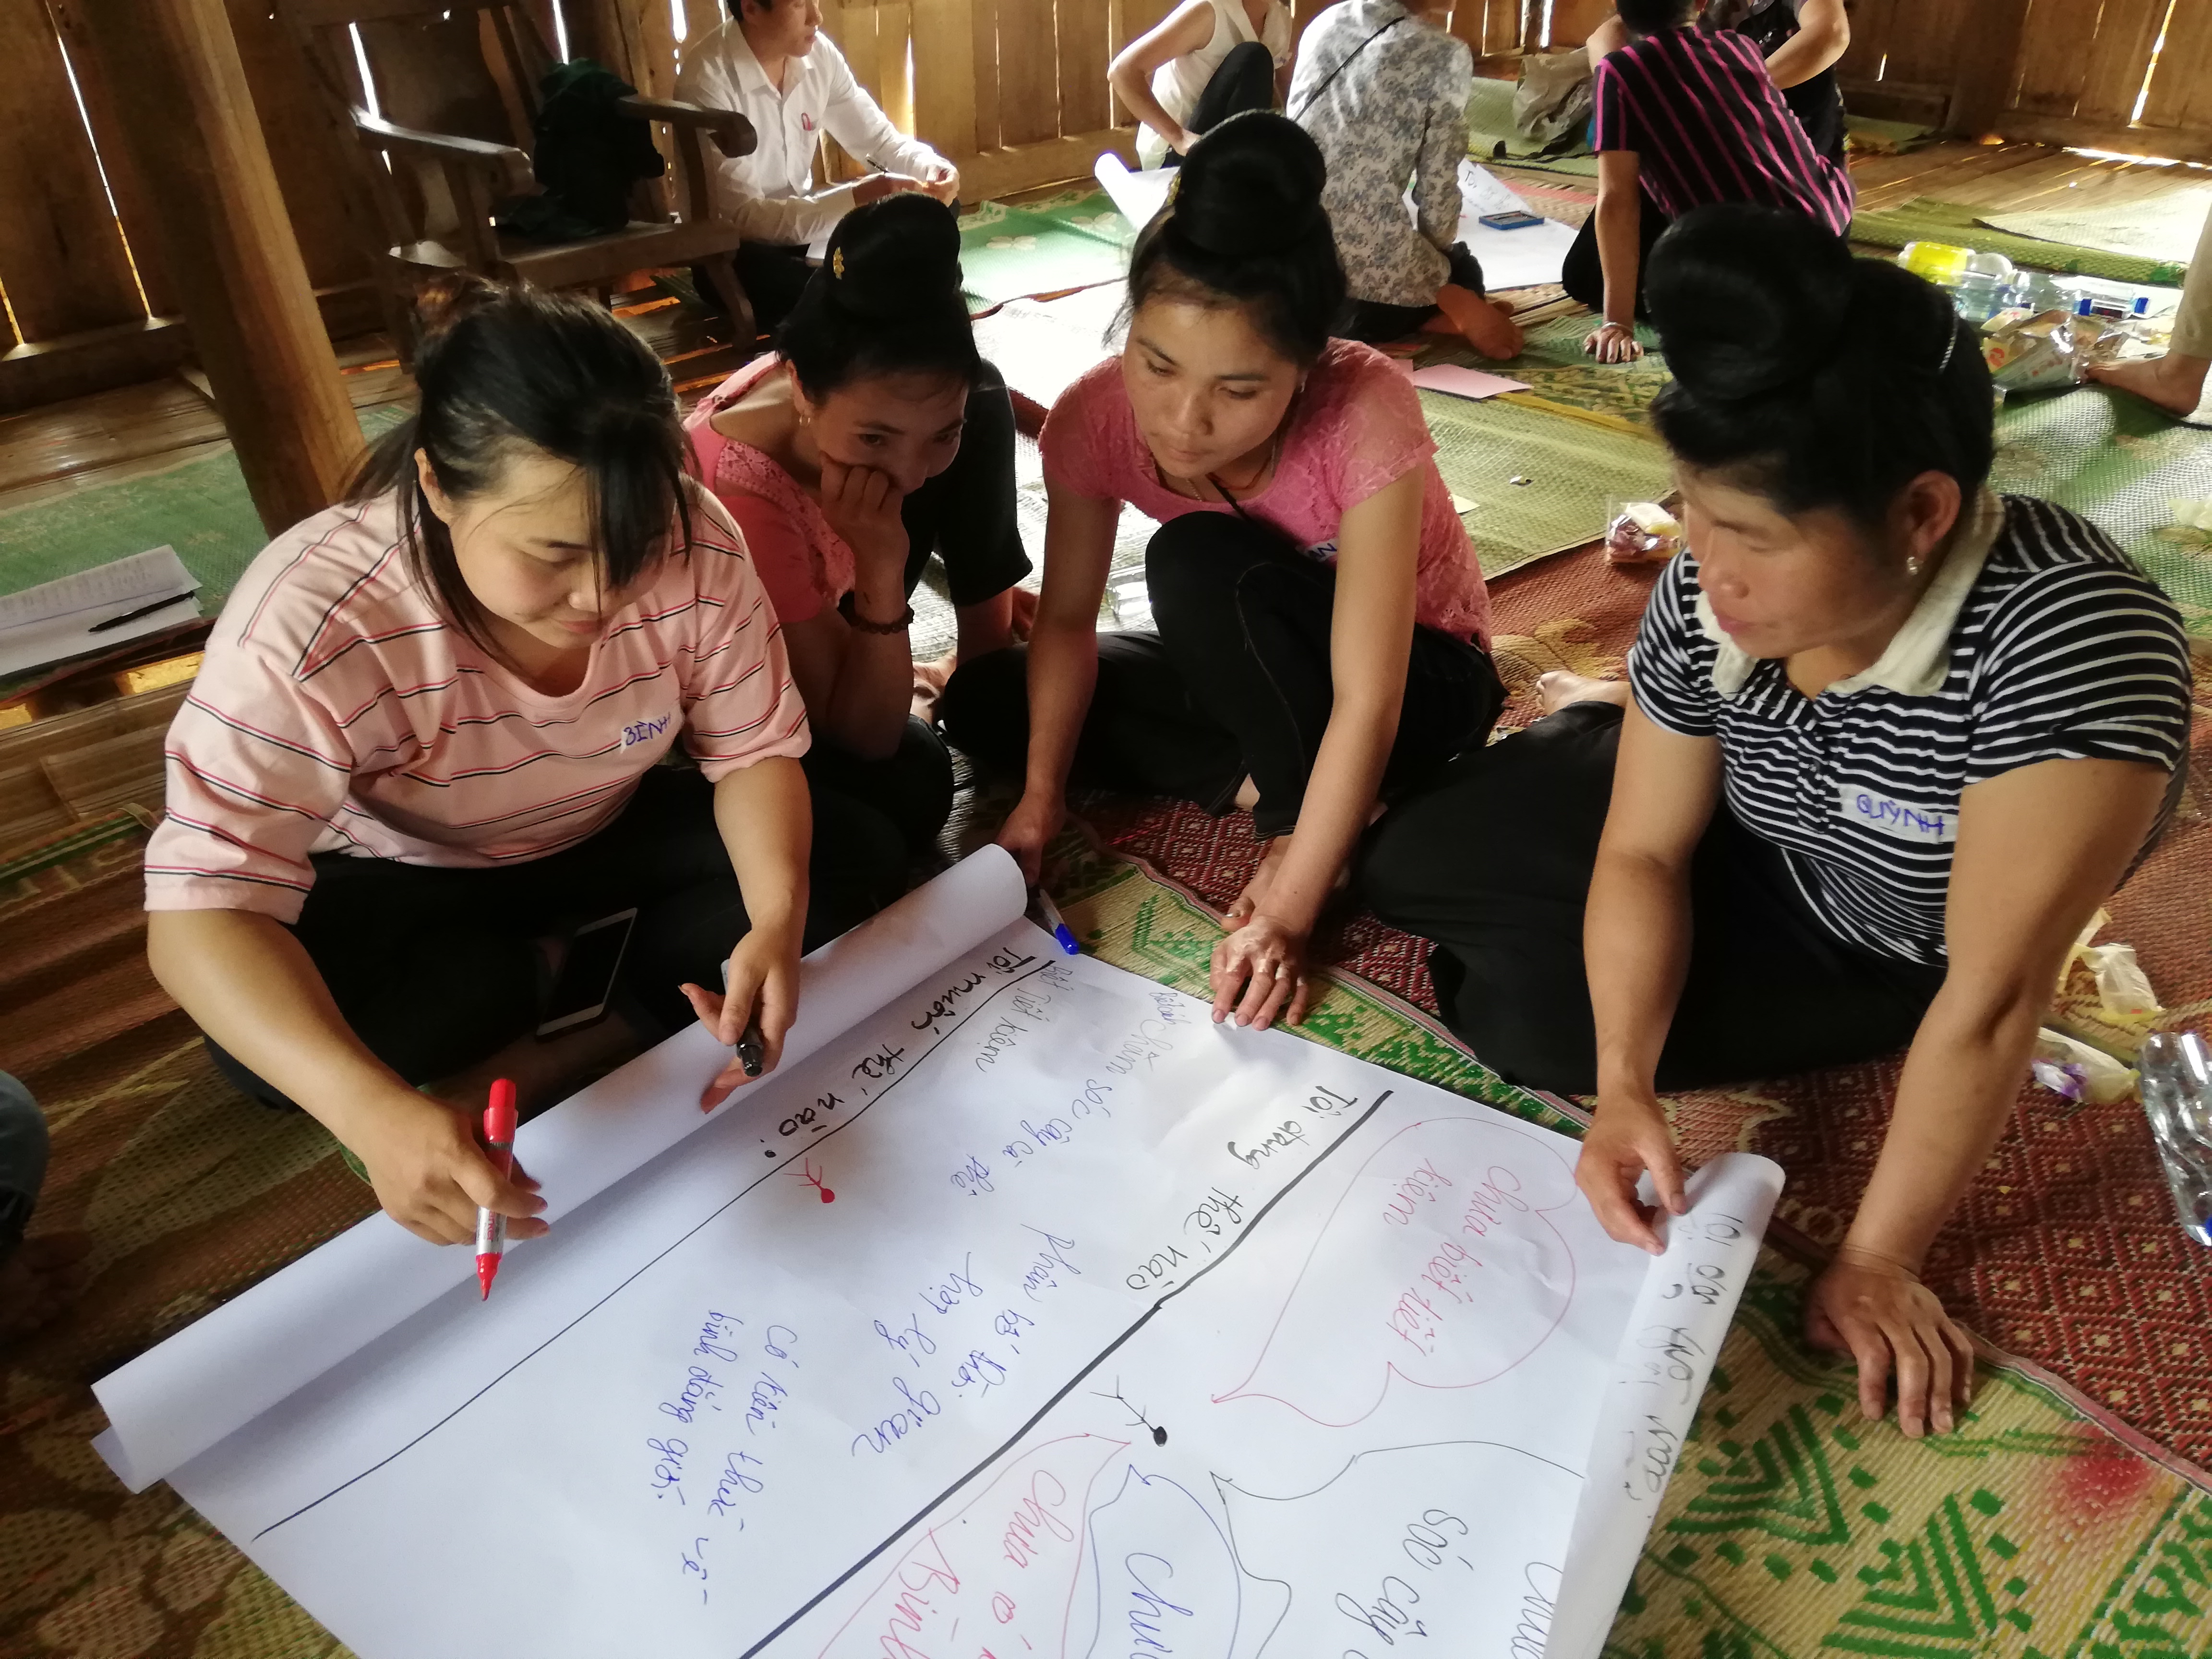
x=499 y=1141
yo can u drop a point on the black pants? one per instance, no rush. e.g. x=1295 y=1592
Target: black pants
x=774 y=274
x=965 y=514
x=911 y=789
x=435 y=970
x=1494 y=863
x=1245 y=80
x=1583 y=274
x=1377 y=323
x=1236 y=683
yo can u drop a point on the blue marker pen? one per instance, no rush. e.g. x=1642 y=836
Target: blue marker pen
x=1057 y=923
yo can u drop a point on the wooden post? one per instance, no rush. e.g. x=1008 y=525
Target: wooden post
x=1989 y=51
x=187 y=118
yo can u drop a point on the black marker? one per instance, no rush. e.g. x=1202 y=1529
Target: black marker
x=751 y=1049
x=143 y=610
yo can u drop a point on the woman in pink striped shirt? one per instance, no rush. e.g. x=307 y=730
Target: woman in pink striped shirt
x=425 y=742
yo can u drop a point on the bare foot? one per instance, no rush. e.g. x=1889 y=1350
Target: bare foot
x=2173 y=383
x=929 y=679
x=1485 y=324
x=1559 y=690
x=37 y=1281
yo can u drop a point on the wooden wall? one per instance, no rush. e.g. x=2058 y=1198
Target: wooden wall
x=91 y=303
x=1013 y=91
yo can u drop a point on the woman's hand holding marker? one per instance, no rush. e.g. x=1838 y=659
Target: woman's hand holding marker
x=753 y=1015
x=432 y=1176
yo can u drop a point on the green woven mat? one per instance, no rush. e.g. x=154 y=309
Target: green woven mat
x=1930 y=219
x=1541 y=482
x=1792 y=1529
x=1872 y=137
x=1557 y=371
x=200 y=507
x=1074 y=240
x=2130 y=472
x=2163 y=227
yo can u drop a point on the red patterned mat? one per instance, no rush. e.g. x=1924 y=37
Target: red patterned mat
x=2066 y=1253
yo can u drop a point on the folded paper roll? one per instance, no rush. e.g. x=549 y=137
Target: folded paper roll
x=211 y=1379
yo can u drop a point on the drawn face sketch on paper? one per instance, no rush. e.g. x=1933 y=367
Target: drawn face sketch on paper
x=1163 y=1579
x=1439 y=1264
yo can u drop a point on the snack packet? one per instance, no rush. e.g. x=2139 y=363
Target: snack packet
x=2046 y=350
x=1642 y=533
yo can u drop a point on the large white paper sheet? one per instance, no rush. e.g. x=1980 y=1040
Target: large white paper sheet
x=220 y=1372
x=54 y=620
x=1509 y=259
x=1036 y=1312
x=1137 y=197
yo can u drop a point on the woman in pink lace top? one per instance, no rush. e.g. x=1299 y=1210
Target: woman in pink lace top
x=1322 y=626
x=873 y=437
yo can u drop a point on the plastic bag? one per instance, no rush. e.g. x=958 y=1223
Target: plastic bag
x=1554 y=98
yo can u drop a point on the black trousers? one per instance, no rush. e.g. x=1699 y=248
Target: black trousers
x=1583 y=274
x=965 y=514
x=435 y=970
x=1377 y=323
x=910 y=790
x=1494 y=864
x=1245 y=80
x=1236 y=683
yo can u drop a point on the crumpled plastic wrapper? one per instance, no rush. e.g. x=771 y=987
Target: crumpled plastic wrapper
x=2047 y=350
x=2123 y=989
x=1642 y=533
x=2081 y=1073
x=2124 y=996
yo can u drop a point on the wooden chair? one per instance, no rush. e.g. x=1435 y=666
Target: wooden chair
x=442 y=131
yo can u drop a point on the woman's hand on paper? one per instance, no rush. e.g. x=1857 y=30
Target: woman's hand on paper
x=1029 y=829
x=1877 y=1310
x=432 y=1177
x=1612 y=343
x=1626 y=1139
x=763 y=994
x=1259 y=971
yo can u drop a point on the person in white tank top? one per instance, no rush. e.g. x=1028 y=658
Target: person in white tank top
x=1207 y=61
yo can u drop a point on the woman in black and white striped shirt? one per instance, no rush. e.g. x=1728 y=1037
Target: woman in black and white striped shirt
x=1892 y=740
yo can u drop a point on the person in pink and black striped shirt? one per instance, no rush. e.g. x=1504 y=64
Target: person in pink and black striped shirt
x=1686 y=117
x=427 y=741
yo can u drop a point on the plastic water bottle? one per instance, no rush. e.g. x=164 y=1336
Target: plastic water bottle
x=1941 y=262
x=2176 y=1097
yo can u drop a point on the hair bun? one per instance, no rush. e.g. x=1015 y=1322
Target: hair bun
x=1748 y=299
x=445 y=302
x=1251 y=186
x=895 y=258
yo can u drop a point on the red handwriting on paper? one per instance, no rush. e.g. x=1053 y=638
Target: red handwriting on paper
x=1003 y=1566
x=1399 y=1259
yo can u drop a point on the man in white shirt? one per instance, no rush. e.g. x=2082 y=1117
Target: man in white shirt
x=770 y=63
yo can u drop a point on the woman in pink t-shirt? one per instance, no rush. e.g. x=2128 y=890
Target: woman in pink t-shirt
x=872 y=437
x=1322 y=626
x=424 y=744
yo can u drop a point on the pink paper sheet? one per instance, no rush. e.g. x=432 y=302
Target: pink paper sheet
x=1465 y=382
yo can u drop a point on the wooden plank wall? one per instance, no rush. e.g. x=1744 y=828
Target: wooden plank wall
x=86 y=283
